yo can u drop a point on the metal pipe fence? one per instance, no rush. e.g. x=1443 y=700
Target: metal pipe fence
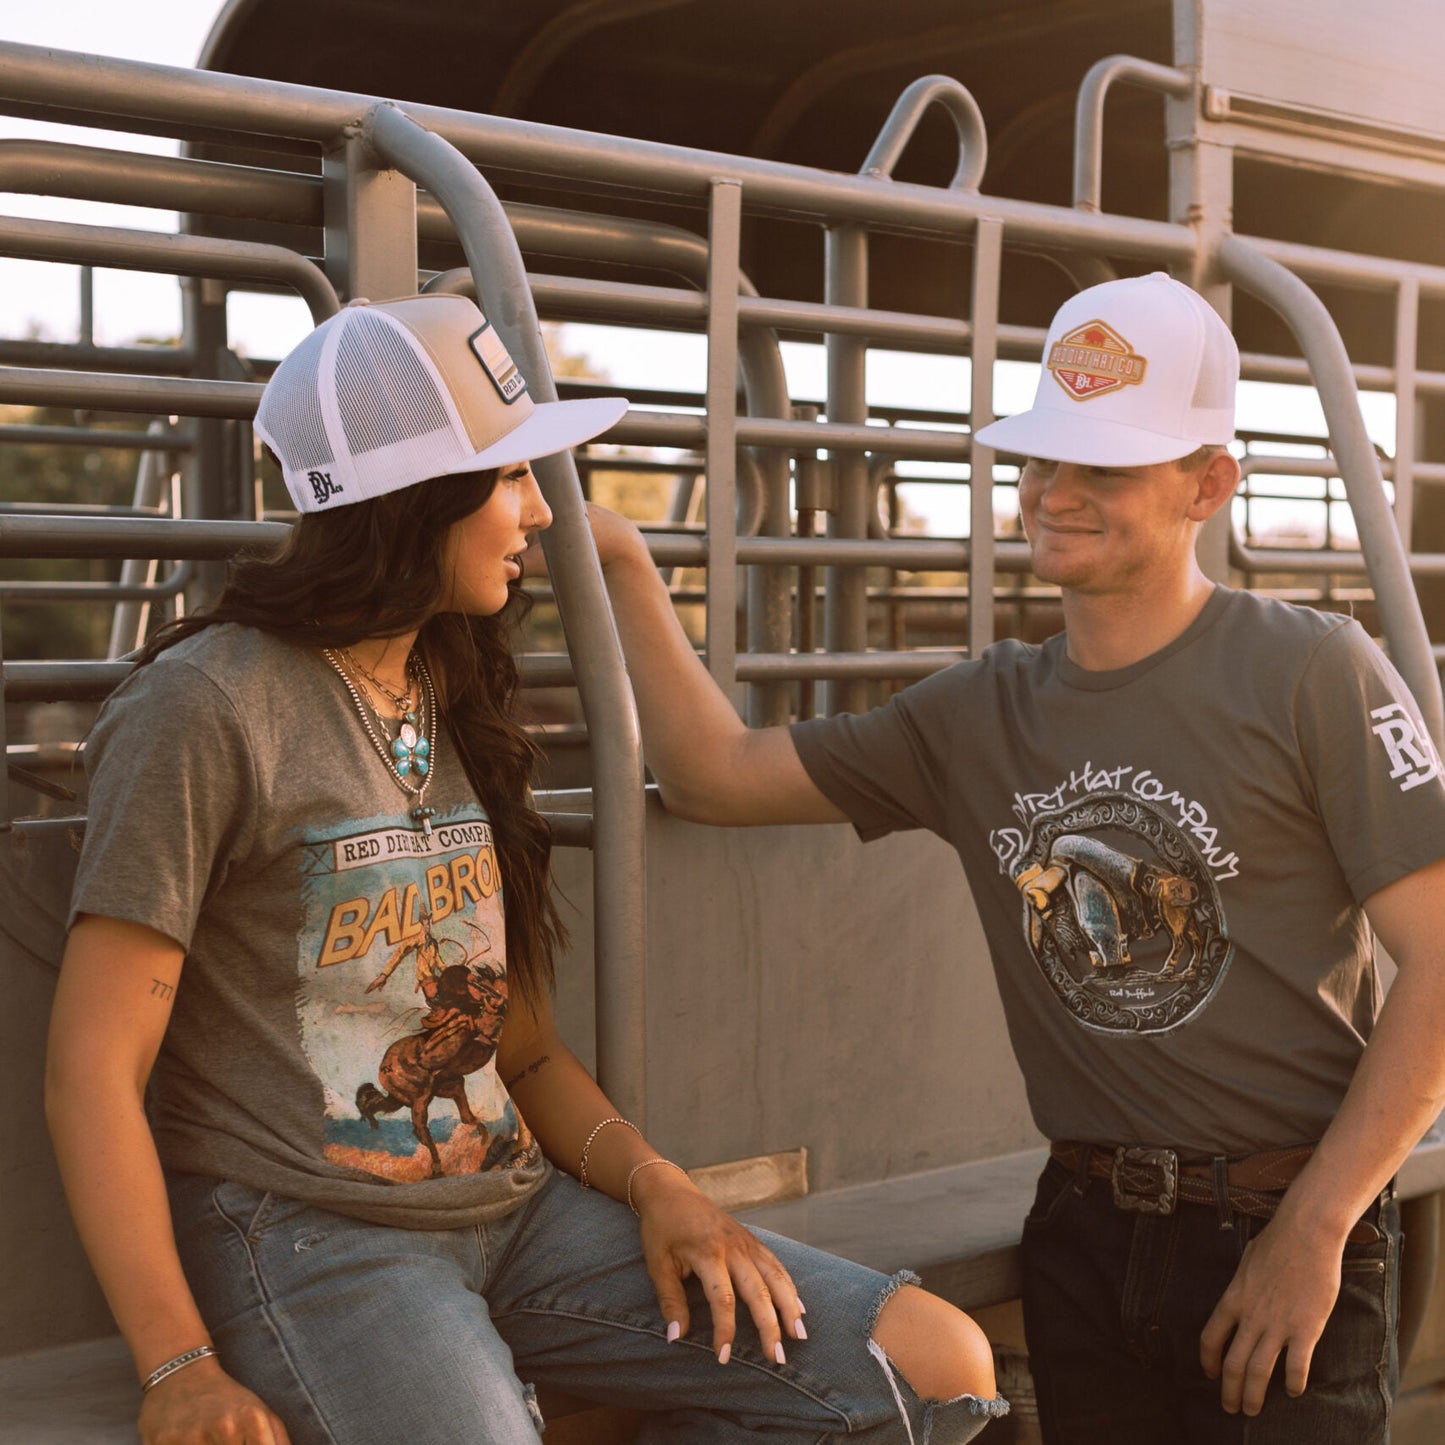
x=771 y=470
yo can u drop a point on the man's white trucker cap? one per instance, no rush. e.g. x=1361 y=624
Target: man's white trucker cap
x=1135 y=372
x=380 y=397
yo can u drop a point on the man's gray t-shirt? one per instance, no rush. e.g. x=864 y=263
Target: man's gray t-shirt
x=1169 y=860
x=345 y=977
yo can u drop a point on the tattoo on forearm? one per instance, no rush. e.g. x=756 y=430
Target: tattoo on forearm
x=530 y=1069
x=160 y=989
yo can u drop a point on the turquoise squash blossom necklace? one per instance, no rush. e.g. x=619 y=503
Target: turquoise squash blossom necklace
x=408 y=756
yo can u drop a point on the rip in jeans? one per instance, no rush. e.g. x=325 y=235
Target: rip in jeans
x=969 y=1413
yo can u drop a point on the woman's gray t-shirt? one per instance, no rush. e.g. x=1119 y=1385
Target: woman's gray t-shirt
x=345 y=978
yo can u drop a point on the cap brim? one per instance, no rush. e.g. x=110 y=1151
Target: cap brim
x=553 y=426
x=1088 y=441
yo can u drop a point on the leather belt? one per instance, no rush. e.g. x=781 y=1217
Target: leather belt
x=1154 y=1181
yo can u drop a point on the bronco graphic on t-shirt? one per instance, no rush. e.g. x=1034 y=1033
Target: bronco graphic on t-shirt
x=1120 y=903
x=403 y=995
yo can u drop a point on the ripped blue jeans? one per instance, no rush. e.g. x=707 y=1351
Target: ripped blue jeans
x=363 y=1334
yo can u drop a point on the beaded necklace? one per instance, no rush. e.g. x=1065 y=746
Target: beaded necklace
x=411 y=751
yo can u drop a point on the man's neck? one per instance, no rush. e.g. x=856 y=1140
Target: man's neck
x=1107 y=631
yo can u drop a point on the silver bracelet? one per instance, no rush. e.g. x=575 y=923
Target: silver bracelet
x=162 y=1372
x=582 y=1178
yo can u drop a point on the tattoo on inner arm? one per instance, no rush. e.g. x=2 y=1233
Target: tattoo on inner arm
x=530 y=1069
x=161 y=989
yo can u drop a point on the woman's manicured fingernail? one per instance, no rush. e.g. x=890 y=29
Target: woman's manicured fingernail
x=673 y=1331
x=802 y=1308
x=778 y=1354
x=799 y=1333
x=724 y=1354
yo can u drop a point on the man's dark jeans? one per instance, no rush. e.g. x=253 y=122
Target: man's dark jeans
x=1114 y=1303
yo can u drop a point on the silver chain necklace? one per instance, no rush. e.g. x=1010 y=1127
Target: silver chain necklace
x=414 y=747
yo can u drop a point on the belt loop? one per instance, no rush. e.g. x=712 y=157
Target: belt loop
x=1081 y=1168
x=1220 y=1167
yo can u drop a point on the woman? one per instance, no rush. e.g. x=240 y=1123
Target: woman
x=376 y=1192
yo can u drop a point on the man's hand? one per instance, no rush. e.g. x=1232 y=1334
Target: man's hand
x=613 y=535
x=1277 y=1304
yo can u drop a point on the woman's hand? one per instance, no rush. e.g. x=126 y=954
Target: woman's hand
x=203 y=1405
x=684 y=1233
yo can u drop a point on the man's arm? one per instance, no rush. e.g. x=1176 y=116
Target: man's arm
x=1287 y=1282
x=709 y=765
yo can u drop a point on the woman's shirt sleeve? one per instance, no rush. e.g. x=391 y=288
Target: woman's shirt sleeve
x=172 y=804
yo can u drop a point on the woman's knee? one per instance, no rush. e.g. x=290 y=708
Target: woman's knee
x=938 y=1349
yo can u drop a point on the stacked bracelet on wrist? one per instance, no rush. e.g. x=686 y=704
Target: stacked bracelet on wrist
x=647 y=1164
x=165 y=1371
x=582 y=1178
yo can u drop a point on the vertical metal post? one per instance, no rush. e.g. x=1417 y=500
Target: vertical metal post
x=845 y=606
x=1407 y=327
x=87 y=305
x=987 y=265
x=370 y=221
x=811 y=478
x=724 y=238
x=1201 y=195
x=208 y=479
x=131 y=618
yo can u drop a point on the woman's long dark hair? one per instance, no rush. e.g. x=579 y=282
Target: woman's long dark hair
x=380 y=569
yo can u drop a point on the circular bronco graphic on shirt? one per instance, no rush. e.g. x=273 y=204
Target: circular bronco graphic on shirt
x=1121 y=914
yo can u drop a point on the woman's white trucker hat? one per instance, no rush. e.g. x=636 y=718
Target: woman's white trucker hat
x=380 y=397
x=1134 y=372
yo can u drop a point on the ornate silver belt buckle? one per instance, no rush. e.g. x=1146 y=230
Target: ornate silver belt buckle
x=1145 y=1181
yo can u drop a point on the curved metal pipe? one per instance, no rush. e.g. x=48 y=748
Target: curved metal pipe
x=763 y=505
x=903 y=120
x=1380 y=541
x=171 y=254
x=1388 y=568
x=1089 y=115
x=607 y=702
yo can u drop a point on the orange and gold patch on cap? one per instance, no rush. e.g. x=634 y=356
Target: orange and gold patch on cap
x=1094 y=360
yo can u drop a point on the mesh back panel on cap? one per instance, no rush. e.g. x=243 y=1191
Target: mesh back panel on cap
x=374 y=359
x=291 y=415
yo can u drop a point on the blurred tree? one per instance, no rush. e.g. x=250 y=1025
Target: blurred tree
x=53 y=476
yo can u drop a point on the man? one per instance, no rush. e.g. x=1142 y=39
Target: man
x=1180 y=819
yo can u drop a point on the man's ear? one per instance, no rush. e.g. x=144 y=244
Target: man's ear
x=1215 y=483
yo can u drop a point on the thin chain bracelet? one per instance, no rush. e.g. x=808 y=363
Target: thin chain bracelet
x=165 y=1371
x=647 y=1164
x=615 y=1119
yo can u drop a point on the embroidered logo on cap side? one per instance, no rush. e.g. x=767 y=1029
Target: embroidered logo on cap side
x=497 y=362
x=1094 y=360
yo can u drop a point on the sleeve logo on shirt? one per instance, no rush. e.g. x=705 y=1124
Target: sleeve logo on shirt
x=1413 y=758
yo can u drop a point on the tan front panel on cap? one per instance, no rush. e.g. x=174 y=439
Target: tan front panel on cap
x=444 y=325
